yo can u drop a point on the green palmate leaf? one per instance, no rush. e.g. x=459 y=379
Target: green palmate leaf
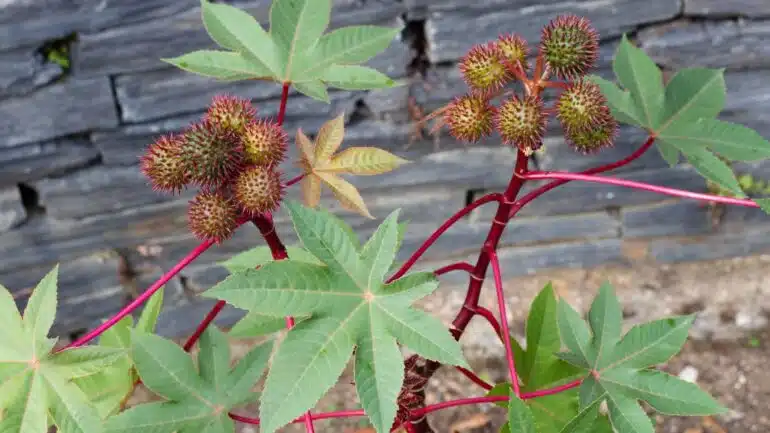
x=255 y=325
x=238 y=31
x=314 y=89
x=199 y=399
x=574 y=334
x=588 y=421
x=713 y=169
x=732 y=141
x=520 y=419
x=36 y=385
x=296 y=26
x=223 y=65
x=349 y=306
x=149 y=317
x=619 y=101
x=640 y=76
x=260 y=255
x=693 y=94
x=354 y=77
x=620 y=374
x=669 y=153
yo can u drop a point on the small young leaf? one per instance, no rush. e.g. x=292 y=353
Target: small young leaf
x=226 y=66
x=354 y=77
x=149 y=317
x=364 y=161
x=640 y=75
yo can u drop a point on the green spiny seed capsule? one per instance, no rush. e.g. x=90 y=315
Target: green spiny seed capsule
x=258 y=190
x=470 y=117
x=212 y=216
x=569 y=45
x=230 y=112
x=600 y=135
x=514 y=49
x=264 y=143
x=211 y=154
x=581 y=106
x=483 y=68
x=521 y=122
x=162 y=164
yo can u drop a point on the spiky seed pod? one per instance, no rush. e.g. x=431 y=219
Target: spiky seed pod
x=470 y=117
x=570 y=45
x=264 y=143
x=231 y=112
x=521 y=122
x=514 y=48
x=211 y=154
x=258 y=189
x=483 y=68
x=581 y=106
x=599 y=136
x=162 y=164
x=212 y=216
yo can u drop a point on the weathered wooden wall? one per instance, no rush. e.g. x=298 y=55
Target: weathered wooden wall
x=70 y=190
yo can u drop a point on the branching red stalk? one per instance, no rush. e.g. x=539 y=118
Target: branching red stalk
x=474 y=378
x=459 y=402
x=440 y=231
x=294 y=180
x=523 y=201
x=459 y=266
x=203 y=325
x=128 y=309
x=640 y=186
x=490 y=317
x=490 y=244
x=551 y=391
x=497 y=274
x=409 y=427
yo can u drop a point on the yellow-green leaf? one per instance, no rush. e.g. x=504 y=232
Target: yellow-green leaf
x=329 y=138
x=364 y=161
x=311 y=190
x=346 y=193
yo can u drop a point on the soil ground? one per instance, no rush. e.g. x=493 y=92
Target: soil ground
x=727 y=354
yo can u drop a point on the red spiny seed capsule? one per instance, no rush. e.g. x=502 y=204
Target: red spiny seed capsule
x=264 y=143
x=521 y=122
x=470 y=117
x=212 y=154
x=514 y=48
x=212 y=216
x=231 y=112
x=581 y=106
x=162 y=164
x=483 y=68
x=258 y=190
x=570 y=45
x=600 y=135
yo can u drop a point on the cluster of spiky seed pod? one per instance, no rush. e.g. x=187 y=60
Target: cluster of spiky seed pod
x=568 y=50
x=231 y=156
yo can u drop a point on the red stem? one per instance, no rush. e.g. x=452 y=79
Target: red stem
x=551 y=391
x=284 y=99
x=503 y=319
x=294 y=180
x=440 y=231
x=459 y=402
x=128 y=309
x=640 y=186
x=317 y=416
x=601 y=169
x=459 y=266
x=493 y=238
x=474 y=378
x=490 y=317
x=203 y=325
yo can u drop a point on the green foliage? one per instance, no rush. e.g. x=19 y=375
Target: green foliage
x=682 y=115
x=112 y=385
x=349 y=307
x=295 y=50
x=36 y=388
x=539 y=368
x=619 y=369
x=196 y=399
